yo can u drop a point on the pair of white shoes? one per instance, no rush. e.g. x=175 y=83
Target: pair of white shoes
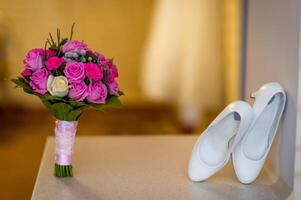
x=246 y=133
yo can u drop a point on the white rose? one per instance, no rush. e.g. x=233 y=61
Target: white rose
x=57 y=86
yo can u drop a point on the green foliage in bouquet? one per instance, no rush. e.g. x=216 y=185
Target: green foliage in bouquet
x=64 y=109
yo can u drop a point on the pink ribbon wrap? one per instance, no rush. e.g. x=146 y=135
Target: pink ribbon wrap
x=64 y=140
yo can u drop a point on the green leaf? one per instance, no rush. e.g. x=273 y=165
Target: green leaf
x=52 y=40
x=22 y=83
x=77 y=104
x=52 y=45
x=99 y=107
x=46 y=103
x=114 y=102
x=76 y=113
x=64 y=110
x=58 y=35
x=61 y=111
x=54 y=48
x=53 y=98
x=64 y=40
x=28 y=91
x=71 y=32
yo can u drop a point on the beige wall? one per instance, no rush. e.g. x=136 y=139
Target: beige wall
x=231 y=28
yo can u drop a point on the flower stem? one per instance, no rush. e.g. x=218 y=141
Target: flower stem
x=63 y=170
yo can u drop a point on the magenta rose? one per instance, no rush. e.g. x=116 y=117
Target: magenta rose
x=101 y=58
x=38 y=81
x=113 y=88
x=92 y=71
x=34 y=59
x=54 y=62
x=74 y=45
x=78 y=91
x=26 y=73
x=97 y=93
x=74 y=71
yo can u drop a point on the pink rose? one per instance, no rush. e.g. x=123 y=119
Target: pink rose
x=101 y=58
x=74 y=71
x=34 y=58
x=78 y=91
x=74 y=45
x=26 y=73
x=113 y=88
x=38 y=81
x=97 y=93
x=54 y=62
x=93 y=71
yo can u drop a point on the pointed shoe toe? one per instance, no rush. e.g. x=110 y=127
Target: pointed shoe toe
x=198 y=171
x=213 y=148
x=245 y=169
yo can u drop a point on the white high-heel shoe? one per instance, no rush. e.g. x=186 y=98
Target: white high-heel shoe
x=213 y=148
x=250 y=154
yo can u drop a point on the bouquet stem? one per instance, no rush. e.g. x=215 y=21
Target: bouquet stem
x=64 y=139
x=63 y=170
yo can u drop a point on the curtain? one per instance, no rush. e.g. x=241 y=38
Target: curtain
x=182 y=59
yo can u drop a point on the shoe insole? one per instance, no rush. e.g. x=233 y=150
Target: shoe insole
x=258 y=139
x=214 y=146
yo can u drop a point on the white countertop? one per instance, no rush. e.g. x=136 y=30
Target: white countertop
x=142 y=167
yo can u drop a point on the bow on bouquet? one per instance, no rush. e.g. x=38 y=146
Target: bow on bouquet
x=69 y=78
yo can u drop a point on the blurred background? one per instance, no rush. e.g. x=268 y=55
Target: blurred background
x=178 y=60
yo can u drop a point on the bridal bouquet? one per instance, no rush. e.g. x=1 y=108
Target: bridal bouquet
x=69 y=78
